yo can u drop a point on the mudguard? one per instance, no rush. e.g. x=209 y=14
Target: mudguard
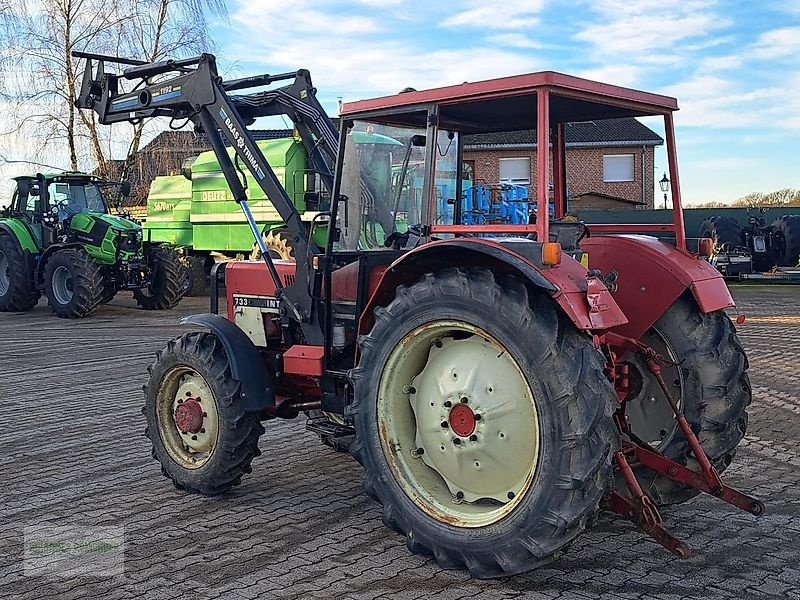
x=38 y=273
x=651 y=276
x=566 y=283
x=258 y=392
x=20 y=234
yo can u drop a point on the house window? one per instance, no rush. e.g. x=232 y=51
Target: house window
x=617 y=167
x=515 y=170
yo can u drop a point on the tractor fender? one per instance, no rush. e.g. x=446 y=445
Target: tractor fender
x=20 y=234
x=652 y=275
x=38 y=273
x=258 y=392
x=566 y=283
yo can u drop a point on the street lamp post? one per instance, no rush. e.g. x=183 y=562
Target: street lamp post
x=664 y=184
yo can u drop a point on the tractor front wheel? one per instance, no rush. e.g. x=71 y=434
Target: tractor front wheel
x=202 y=437
x=483 y=421
x=73 y=283
x=17 y=293
x=167 y=281
x=708 y=379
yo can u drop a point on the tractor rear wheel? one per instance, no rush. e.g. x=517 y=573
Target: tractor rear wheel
x=17 y=293
x=710 y=383
x=73 y=283
x=279 y=244
x=724 y=231
x=786 y=240
x=483 y=421
x=167 y=281
x=202 y=437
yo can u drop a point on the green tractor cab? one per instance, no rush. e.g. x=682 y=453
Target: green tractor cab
x=58 y=238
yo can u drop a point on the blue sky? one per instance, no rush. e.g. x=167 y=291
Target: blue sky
x=734 y=66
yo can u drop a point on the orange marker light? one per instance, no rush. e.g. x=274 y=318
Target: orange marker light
x=705 y=246
x=551 y=253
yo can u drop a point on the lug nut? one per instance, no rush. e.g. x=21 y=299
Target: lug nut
x=180 y=400
x=459 y=495
x=457 y=441
x=202 y=430
x=194 y=437
x=478 y=417
x=444 y=425
x=510 y=495
x=473 y=438
x=188 y=394
x=447 y=404
x=464 y=400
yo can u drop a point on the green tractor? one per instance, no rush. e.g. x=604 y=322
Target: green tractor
x=59 y=239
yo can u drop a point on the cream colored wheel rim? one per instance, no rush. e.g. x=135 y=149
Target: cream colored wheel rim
x=183 y=398
x=468 y=471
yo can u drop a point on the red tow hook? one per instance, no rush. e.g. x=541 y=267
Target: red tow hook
x=710 y=474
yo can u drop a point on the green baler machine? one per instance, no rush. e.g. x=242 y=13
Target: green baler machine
x=196 y=213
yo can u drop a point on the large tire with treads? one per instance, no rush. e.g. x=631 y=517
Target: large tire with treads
x=73 y=283
x=168 y=281
x=786 y=240
x=205 y=466
x=562 y=404
x=724 y=231
x=17 y=292
x=712 y=371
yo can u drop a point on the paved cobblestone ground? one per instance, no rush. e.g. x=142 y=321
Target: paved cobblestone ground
x=72 y=453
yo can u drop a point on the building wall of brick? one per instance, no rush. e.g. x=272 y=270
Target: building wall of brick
x=584 y=170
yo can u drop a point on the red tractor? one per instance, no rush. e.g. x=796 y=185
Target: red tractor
x=498 y=393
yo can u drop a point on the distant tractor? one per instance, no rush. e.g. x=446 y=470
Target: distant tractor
x=756 y=247
x=58 y=238
x=498 y=393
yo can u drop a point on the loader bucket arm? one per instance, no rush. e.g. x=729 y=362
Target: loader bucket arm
x=190 y=89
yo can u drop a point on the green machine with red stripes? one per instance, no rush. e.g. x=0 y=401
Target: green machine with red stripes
x=59 y=239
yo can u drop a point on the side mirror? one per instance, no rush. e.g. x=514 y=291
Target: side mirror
x=33 y=190
x=125 y=189
x=418 y=140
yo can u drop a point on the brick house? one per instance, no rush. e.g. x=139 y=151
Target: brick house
x=609 y=163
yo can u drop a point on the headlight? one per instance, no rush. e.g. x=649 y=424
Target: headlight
x=130 y=241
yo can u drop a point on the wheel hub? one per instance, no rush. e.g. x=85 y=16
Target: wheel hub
x=475 y=420
x=462 y=420
x=189 y=416
x=4 y=276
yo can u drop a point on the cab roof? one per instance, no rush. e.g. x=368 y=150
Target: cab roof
x=509 y=103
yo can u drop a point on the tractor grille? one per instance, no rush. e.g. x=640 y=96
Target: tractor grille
x=129 y=242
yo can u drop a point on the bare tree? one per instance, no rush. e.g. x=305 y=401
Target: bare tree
x=40 y=78
x=166 y=28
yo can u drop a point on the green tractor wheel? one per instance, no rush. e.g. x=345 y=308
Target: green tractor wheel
x=17 y=293
x=73 y=283
x=167 y=281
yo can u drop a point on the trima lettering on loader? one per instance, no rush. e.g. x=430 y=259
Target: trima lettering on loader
x=500 y=393
x=58 y=238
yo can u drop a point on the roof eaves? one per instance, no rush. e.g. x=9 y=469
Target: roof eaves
x=618 y=144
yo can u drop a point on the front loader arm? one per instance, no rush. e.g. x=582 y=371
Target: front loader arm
x=194 y=91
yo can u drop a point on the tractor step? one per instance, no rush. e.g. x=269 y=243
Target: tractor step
x=327 y=428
